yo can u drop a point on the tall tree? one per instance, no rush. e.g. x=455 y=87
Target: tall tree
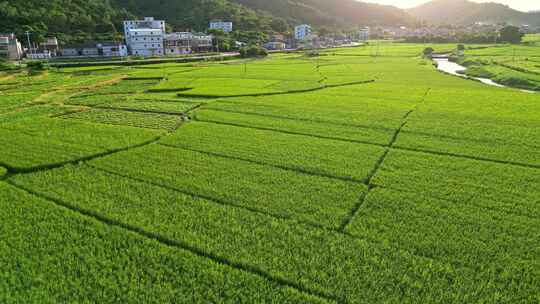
x=511 y=34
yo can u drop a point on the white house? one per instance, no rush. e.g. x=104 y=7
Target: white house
x=50 y=45
x=302 y=31
x=112 y=49
x=186 y=42
x=145 y=37
x=227 y=27
x=95 y=49
x=363 y=34
x=10 y=47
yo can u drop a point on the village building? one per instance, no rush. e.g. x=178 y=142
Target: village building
x=302 y=31
x=275 y=45
x=180 y=43
x=363 y=34
x=10 y=47
x=145 y=37
x=50 y=45
x=225 y=26
x=95 y=49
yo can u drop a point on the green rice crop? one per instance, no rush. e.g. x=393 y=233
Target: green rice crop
x=361 y=175
x=236 y=182
x=456 y=231
x=68 y=257
x=128 y=118
x=324 y=261
x=502 y=187
x=149 y=105
x=318 y=156
x=45 y=141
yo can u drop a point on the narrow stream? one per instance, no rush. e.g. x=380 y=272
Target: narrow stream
x=443 y=64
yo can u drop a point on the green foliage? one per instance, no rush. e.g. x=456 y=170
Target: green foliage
x=70 y=21
x=7 y=66
x=511 y=34
x=428 y=52
x=192 y=14
x=344 y=13
x=253 y=51
x=479 y=71
x=37 y=66
x=518 y=82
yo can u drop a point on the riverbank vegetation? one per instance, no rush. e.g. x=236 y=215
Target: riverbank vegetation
x=510 y=65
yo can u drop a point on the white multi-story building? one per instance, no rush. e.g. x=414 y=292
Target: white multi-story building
x=10 y=47
x=302 y=31
x=145 y=37
x=227 y=27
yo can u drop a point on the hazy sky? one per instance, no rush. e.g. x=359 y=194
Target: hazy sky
x=523 y=5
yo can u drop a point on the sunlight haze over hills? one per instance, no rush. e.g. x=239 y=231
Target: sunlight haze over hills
x=522 y=5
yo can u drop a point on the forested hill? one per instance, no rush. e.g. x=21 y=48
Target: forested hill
x=67 y=19
x=196 y=14
x=333 y=12
x=268 y=14
x=467 y=12
x=80 y=20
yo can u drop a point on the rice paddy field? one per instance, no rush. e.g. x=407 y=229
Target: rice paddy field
x=362 y=175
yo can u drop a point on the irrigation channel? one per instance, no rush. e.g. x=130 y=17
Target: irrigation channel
x=447 y=66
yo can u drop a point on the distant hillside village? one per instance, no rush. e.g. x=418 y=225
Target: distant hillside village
x=149 y=38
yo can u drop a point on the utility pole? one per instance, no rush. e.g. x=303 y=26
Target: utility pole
x=28 y=39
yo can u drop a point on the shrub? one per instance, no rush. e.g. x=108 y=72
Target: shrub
x=478 y=71
x=312 y=53
x=253 y=51
x=7 y=66
x=517 y=82
x=453 y=58
x=37 y=65
x=428 y=52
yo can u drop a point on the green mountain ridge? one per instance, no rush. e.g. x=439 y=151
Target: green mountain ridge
x=468 y=12
x=337 y=12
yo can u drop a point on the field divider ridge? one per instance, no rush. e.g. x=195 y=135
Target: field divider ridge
x=470 y=202
x=206 y=96
x=13 y=170
x=136 y=110
x=288 y=132
x=267 y=164
x=302 y=119
x=379 y=163
x=182 y=245
x=393 y=147
x=221 y=202
x=469 y=157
